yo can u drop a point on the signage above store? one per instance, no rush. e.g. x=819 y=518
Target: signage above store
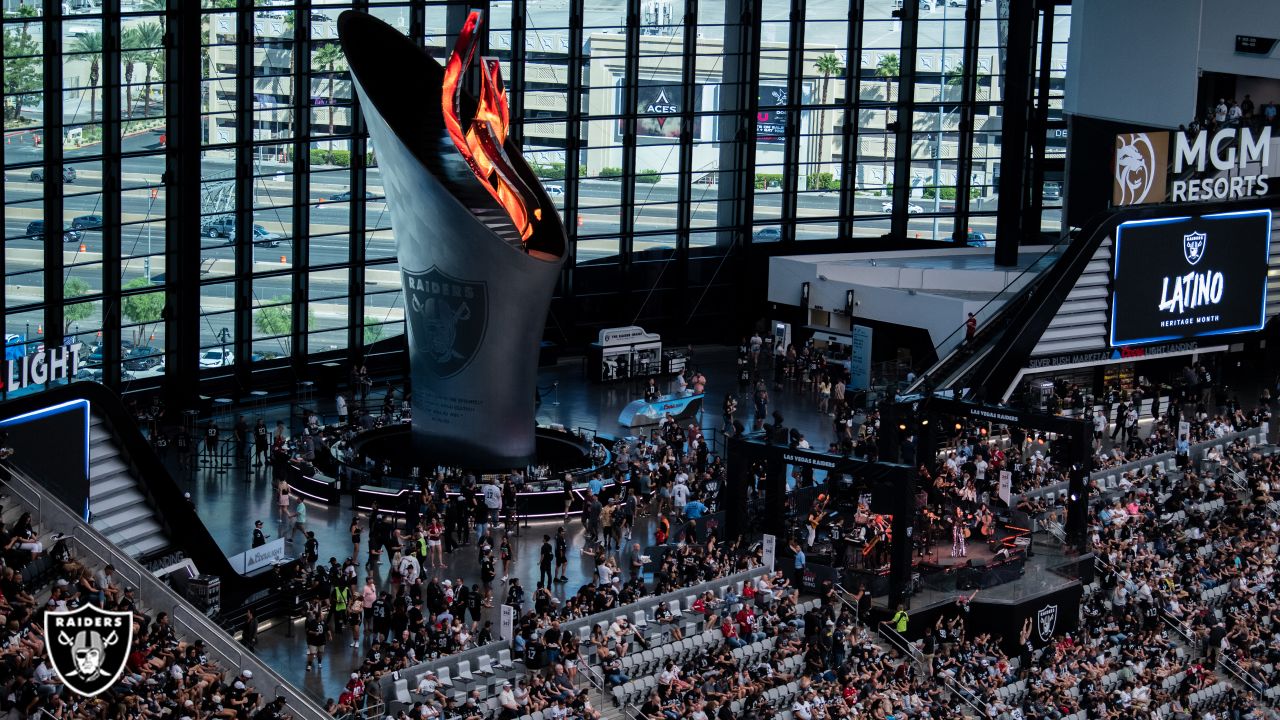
x=1254 y=45
x=1098 y=357
x=1181 y=167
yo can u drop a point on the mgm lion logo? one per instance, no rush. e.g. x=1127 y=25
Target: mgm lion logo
x=447 y=320
x=88 y=647
x=1140 y=168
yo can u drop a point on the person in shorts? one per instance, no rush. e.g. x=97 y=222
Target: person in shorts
x=318 y=634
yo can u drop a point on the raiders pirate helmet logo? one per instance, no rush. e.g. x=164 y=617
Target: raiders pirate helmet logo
x=88 y=647
x=454 y=315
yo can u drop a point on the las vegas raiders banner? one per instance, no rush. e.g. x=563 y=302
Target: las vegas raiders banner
x=1185 y=277
x=88 y=647
x=478 y=258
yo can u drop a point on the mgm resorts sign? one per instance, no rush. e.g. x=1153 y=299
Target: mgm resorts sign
x=1182 y=167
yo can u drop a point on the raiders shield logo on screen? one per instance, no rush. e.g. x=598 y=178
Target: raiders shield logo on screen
x=88 y=647
x=1046 y=621
x=451 y=316
x=1193 y=246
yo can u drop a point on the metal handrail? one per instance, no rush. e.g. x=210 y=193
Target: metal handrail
x=596 y=679
x=1253 y=683
x=894 y=637
x=154 y=594
x=899 y=642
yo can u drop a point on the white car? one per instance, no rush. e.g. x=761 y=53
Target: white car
x=553 y=190
x=216 y=357
x=912 y=208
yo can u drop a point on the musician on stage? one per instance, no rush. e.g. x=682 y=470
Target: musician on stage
x=816 y=515
x=958 y=524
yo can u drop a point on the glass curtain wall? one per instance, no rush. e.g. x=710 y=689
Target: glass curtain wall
x=629 y=110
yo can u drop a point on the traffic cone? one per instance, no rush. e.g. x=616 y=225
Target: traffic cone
x=82 y=249
x=282 y=260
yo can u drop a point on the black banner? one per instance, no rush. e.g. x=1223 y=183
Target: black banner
x=1186 y=277
x=1050 y=617
x=771 y=120
x=658 y=109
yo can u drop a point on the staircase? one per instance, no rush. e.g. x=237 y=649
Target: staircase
x=117 y=506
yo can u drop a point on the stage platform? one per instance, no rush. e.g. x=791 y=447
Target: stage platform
x=1047 y=591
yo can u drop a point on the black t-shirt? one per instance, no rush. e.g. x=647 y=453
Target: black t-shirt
x=316 y=632
x=545 y=556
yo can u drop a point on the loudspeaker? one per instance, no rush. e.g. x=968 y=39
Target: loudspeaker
x=977 y=563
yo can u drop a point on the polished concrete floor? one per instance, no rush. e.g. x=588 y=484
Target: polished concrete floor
x=229 y=502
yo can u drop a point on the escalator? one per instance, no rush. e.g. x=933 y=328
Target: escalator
x=994 y=318
x=134 y=501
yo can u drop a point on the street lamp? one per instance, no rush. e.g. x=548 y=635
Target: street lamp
x=223 y=334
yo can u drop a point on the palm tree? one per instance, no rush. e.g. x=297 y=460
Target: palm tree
x=130 y=55
x=153 y=6
x=827 y=64
x=888 y=69
x=329 y=57
x=89 y=43
x=149 y=40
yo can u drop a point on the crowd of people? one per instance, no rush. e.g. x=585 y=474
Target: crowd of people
x=1227 y=113
x=165 y=674
x=1129 y=656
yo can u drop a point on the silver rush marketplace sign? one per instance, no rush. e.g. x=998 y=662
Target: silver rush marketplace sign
x=1182 y=167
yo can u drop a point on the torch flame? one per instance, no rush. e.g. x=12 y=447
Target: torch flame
x=482 y=143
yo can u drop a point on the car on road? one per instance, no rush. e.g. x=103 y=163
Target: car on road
x=976 y=239
x=143 y=358
x=773 y=233
x=912 y=208
x=345 y=196
x=35 y=230
x=68 y=175
x=96 y=355
x=225 y=227
x=86 y=222
x=94 y=374
x=554 y=190
x=261 y=236
x=216 y=357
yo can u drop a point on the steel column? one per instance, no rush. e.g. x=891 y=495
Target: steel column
x=795 y=172
x=111 y=176
x=968 y=111
x=1014 y=141
x=910 y=15
x=850 y=135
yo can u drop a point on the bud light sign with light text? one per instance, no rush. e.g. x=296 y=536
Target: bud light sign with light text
x=1186 y=277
